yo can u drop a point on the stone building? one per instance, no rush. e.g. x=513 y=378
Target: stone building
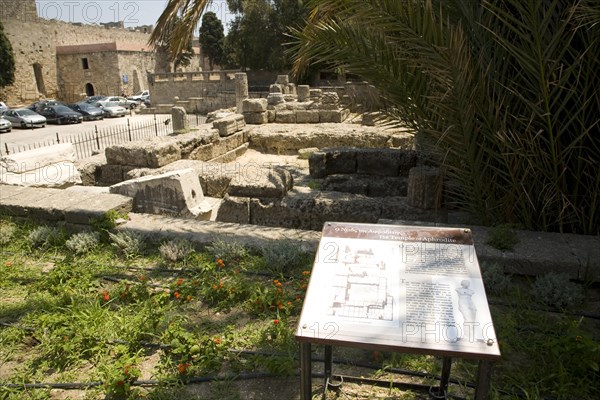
x=56 y=59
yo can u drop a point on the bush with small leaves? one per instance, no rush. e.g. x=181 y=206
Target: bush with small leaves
x=175 y=250
x=7 y=231
x=44 y=237
x=503 y=237
x=227 y=250
x=83 y=242
x=556 y=290
x=283 y=256
x=495 y=280
x=129 y=244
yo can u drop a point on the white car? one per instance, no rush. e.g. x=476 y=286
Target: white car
x=112 y=109
x=5 y=125
x=140 y=97
x=122 y=101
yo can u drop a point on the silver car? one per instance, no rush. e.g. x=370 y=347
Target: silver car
x=5 y=125
x=25 y=118
x=112 y=109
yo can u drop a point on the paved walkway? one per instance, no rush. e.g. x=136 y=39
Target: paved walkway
x=536 y=253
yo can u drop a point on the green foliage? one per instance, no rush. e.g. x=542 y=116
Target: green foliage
x=7 y=60
x=556 y=290
x=502 y=237
x=44 y=237
x=212 y=38
x=83 y=242
x=495 y=280
x=228 y=250
x=108 y=221
x=505 y=94
x=130 y=244
x=283 y=256
x=7 y=232
x=175 y=250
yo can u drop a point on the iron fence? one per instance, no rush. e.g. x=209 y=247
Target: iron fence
x=90 y=143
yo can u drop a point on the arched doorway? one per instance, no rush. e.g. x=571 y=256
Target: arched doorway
x=89 y=89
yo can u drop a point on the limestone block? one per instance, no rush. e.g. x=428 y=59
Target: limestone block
x=345 y=183
x=397 y=208
x=306 y=152
x=96 y=206
x=335 y=116
x=404 y=140
x=294 y=106
x=254 y=105
x=51 y=166
x=202 y=153
x=382 y=162
x=370 y=118
x=315 y=94
x=340 y=161
x=188 y=142
x=256 y=118
x=215 y=185
x=291 y=88
x=366 y=185
x=275 y=98
x=328 y=107
x=344 y=207
x=271 y=116
x=232 y=155
x=307 y=116
x=425 y=187
x=176 y=193
x=293 y=211
x=257 y=182
x=303 y=92
x=276 y=88
x=285 y=117
x=288 y=97
x=283 y=79
x=235 y=210
x=110 y=174
x=229 y=125
x=180 y=120
x=316 y=164
x=330 y=98
x=153 y=152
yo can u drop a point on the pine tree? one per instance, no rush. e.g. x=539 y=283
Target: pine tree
x=7 y=60
x=211 y=38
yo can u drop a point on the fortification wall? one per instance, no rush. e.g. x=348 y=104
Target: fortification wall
x=34 y=43
x=23 y=10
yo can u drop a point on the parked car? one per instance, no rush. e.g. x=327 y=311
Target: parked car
x=140 y=97
x=25 y=118
x=41 y=104
x=112 y=109
x=122 y=101
x=5 y=125
x=61 y=115
x=3 y=107
x=89 y=111
x=94 y=99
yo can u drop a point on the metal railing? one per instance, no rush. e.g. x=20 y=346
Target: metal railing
x=90 y=143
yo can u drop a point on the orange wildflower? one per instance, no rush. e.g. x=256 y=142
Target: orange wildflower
x=276 y=321
x=182 y=368
x=177 y=295
x=189 y=298
x=105 y=296
x=8 y=264
x=179 y=281
x=217 y=340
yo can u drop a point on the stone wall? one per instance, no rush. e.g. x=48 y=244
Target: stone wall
x=34 y=41
x=23 y=10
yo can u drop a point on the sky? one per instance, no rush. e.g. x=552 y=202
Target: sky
x=131 y=12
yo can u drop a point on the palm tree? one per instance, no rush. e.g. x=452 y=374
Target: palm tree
x=177 y=24
x=506 y=91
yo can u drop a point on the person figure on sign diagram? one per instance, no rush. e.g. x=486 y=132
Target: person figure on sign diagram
x=465 y=302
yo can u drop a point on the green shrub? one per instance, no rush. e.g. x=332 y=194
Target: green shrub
x=129 y=244
x=44 y=237
x=7 y=231
x=556 y=290
x=175 y=250
x=83 y=242
x=283 y=256
x=502 y=237
x=228 y=250
x=495 y=280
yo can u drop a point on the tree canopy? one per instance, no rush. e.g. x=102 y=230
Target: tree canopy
x=7 y=60
x=212 y=38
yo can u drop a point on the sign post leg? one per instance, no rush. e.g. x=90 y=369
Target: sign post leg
x=305 y=371
x=484 y=376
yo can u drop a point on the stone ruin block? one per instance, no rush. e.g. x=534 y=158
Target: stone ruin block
x=288 y=97
x=340 y=161
x=330 y=98
x=176 y=193
x=275 y=88
x=316 y=164
x=180 y=120
x=254 y=105
x=315 y=94
x=271 y=115
x=229 y=125
x=333 y=116
x=234 y=209
x=257 y=182
x=275 y=98
x=256 y=118
x=51 y=166
x=307 y=116
x=293 y=211
x=384 y=186
x=303 y=92
x=285 y=117
x=151 y=152
x=291 y=88
x=283 y=79
x=384 y=162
